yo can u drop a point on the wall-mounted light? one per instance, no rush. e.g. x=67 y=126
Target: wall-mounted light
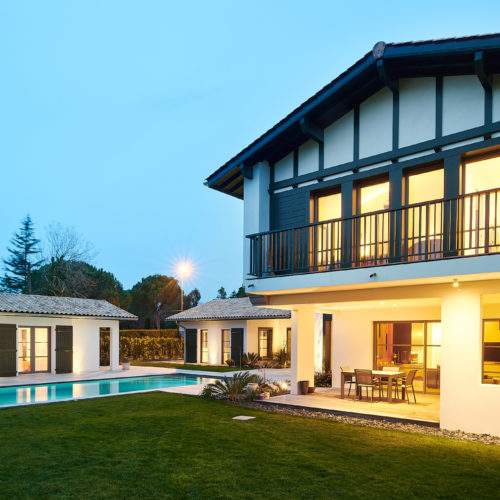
x=455 y=283
x=373 y=275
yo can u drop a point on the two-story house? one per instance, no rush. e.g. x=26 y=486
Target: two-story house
x=372 y=212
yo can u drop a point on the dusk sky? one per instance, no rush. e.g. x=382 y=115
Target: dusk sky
x=113 y=113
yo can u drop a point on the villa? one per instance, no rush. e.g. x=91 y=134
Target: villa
x=372 y=213
x=224 y=329
x=40 y=334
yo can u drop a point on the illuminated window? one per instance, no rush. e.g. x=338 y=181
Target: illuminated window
x=373 y=229
x=204 y=346
x=226 y=345
x=329 y=207
x=424 y=222
x=266 y=343
x=491 y=351
x=480 y=210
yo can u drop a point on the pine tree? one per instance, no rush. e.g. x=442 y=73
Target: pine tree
x=22 y=260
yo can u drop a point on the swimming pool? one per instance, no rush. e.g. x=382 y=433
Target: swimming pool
x=31 y=394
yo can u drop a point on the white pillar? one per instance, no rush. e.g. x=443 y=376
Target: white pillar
x=256 y=208
x=114 y=347
x=461 y=358
x=302 y=359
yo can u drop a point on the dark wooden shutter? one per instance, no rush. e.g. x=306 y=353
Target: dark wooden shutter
x=270 y=344
x=8 y=350
x=236 y=345
x=190 y=346
x=64 y=349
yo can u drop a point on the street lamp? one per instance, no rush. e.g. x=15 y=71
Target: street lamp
x=183 y=270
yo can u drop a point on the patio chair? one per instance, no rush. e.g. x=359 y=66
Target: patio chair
x=385 y=382
x=364 y=379
x=348 y=378
x=407 y=383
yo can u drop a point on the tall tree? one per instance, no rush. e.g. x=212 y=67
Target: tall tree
x=155 y=296
x=192 y=299
x=221 y=293
x=24 y=258
x=240 y=293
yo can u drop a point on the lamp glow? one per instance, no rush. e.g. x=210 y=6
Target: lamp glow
x=183 y=270
x=455 y=283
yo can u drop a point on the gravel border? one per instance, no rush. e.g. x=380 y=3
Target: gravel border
x=375 y=422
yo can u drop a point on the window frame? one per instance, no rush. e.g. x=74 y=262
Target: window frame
x=267 y=357
x=420 y=169
x=482 y=348
x=202 y=332
x=223 y=361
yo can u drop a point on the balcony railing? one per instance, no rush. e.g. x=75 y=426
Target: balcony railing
x=459 y=227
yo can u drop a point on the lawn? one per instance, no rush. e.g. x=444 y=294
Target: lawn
x=170 y=446
x=182 y=366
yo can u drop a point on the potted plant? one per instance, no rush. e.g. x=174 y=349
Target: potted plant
x=126 y=364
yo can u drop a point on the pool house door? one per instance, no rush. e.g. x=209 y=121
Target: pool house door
x=191 y=345
x=33 y=347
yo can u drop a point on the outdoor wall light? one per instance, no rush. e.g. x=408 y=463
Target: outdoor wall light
x=455 y=283
x=373 y=275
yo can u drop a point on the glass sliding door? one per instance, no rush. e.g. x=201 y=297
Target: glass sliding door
x=225 y=345
x=33 y=349
x=373 y=228
x=423 y=222
x=203 y=346
x=411 y=346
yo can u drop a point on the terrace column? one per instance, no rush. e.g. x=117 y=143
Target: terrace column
x=461 y=357
x=302 y=359
x=114 y=347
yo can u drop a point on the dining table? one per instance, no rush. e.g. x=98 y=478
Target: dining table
x=380 y=374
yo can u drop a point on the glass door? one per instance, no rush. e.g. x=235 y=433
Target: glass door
x=226 y=345
x=33 y=349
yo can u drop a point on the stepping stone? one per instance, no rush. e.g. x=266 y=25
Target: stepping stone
x=242 y=417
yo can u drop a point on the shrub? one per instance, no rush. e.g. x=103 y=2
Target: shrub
x=150 y=348
x=323 y=379
x=282 y=358
x=229 y=387
x=230 y=362
x=250 y=360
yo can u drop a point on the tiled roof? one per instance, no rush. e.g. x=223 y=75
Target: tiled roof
x=229 y=309
x=60 y=306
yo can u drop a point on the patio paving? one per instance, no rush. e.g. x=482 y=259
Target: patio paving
x=426 y=410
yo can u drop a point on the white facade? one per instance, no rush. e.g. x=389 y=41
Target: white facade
x=86 y=340
x=250 y=335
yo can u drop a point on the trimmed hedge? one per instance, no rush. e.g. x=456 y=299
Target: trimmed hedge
x=144 y=348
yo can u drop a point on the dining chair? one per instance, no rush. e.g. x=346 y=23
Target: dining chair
x=349 y=378
x=385 y=382
x=364 y=379
x=407 y=383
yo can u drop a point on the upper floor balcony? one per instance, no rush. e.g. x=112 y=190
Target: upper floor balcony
x=468 y=225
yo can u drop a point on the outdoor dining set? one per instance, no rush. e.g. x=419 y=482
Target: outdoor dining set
x=390 y=379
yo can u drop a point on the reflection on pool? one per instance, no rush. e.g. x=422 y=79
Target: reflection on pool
x=30 y=394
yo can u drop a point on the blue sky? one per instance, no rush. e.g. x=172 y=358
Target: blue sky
x=112 y=113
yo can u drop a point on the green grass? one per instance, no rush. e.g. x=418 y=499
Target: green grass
x=182 y=366
x=170 y=446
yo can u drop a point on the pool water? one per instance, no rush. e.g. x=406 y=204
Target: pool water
x=30 y=394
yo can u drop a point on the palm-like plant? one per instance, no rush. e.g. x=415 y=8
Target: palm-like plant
x=228 y=387
x=250 y=359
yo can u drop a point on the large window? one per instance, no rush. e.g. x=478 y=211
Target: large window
x=491 y=351
x=373 y=228
x=226 y=345
x=327 y=236
x=266 y=343
x=411 y=346
x=424 y=233
x=204 y=346
x=33 y=349
x=480 y=211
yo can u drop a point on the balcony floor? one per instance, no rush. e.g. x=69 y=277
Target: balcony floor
x=425 y=411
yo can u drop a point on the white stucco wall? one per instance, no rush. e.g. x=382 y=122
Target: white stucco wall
x=250 y=335
x=283 y=169
x=339 y=141
x=375 y=124
x=417 y=110
x=85 y=338
x=308 y=157
x=463 y=103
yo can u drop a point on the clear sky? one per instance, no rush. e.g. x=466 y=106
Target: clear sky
x=112 y=113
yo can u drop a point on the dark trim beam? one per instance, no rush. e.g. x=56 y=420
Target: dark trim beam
x=480 y=70
x=384 y=76
x=311 y=130
x=246 y=171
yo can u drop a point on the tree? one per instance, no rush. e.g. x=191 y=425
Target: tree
x=64 y=243
x=240 y=293
x=221 y=293
x=192 y=299
x=23 y=259
x=155 y=296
